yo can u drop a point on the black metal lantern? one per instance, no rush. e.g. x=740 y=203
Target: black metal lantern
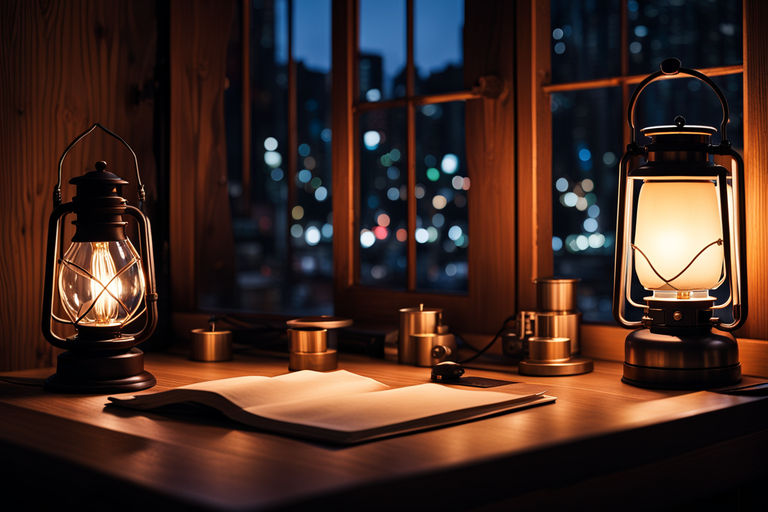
x=102 y=283
x=680 y=233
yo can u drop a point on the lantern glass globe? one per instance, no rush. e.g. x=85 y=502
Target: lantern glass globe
x=101 y=284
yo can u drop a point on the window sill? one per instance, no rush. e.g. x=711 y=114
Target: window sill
x=598 y=341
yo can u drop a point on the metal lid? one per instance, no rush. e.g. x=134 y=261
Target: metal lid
x=101 y=176
x=324 y=321
x=679 y=131
x=557 y=280
x=669 y=129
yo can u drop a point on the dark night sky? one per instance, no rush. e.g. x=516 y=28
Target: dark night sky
x=438 y=26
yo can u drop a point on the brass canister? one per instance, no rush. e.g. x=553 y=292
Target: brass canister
x=308 y=339
x=549 y=350
x=419 y=320
x=309 y=350
x=553 y=324
x=556 y=294
x=211 y=345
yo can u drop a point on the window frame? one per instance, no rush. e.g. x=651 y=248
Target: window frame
x=522 y=256
x=491 y=295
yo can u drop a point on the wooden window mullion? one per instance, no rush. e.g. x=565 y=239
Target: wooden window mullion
x=246 y=98
x=292 y=151
x=624 y=52
x=410 y=78
x=614 y=81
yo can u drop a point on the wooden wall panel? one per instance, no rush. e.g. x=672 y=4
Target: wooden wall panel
x=201 y=242
x=756 y=164
x=63 y=66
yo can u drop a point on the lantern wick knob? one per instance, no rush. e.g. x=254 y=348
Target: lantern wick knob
x=679 y=121
x=101 y=165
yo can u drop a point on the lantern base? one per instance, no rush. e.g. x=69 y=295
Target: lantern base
x=100 y=372
x=692 y=359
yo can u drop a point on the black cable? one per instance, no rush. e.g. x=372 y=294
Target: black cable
x=244 y=325
x=481 y=351
x=270 y=336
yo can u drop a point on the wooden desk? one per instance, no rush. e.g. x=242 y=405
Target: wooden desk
x=602 y=444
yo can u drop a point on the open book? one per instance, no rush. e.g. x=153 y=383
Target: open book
x=338 y=407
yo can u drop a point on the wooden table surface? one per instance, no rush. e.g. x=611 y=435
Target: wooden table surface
x=602 y=443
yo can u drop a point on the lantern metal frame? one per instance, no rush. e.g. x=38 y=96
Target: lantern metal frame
x=99 y=359
x=669 y=340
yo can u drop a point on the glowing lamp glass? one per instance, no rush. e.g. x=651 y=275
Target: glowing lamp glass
x=678 y=227
x=101 y=284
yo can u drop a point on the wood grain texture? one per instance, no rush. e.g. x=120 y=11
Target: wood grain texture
x=201 y=240
x=756 y=164
x=534 y=155
x=343 y=155
x=491 y=160
x=597 y=427
x=63 y=65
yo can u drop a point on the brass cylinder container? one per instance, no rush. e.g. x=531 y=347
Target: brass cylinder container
x=211 y=345
x=419 y=320
x=318 y=361
x=551 y=324
x=309 y=350
x=556 y=294
x=550 y=350
x=308 y=339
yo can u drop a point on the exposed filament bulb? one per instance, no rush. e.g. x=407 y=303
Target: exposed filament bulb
x=103 y=269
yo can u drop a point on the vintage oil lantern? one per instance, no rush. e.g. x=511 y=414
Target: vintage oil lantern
x=101 y=283
x=680 y=235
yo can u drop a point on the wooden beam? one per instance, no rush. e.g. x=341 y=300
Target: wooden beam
x=201 y=242
x=756 y=164
x=615 y=81
x=344 y=43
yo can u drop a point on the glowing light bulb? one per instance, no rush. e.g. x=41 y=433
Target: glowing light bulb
x=104 y=285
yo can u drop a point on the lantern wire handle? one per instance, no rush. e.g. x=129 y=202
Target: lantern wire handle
x=57 y=189
x=670 y=67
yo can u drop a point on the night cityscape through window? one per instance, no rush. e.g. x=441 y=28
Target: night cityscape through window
x=284 y=232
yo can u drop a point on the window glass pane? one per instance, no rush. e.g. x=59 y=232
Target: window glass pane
x=701 y=33
x=438 y=45
x=587 y=147
x=311 y=227
x=661 y=101
x=585 y=39
x=382 y=57
x=383 y=218
x=442 y=182
x=276 y=270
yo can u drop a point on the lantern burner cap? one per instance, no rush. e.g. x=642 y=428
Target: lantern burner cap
x=101 y=176
x=680 y=128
